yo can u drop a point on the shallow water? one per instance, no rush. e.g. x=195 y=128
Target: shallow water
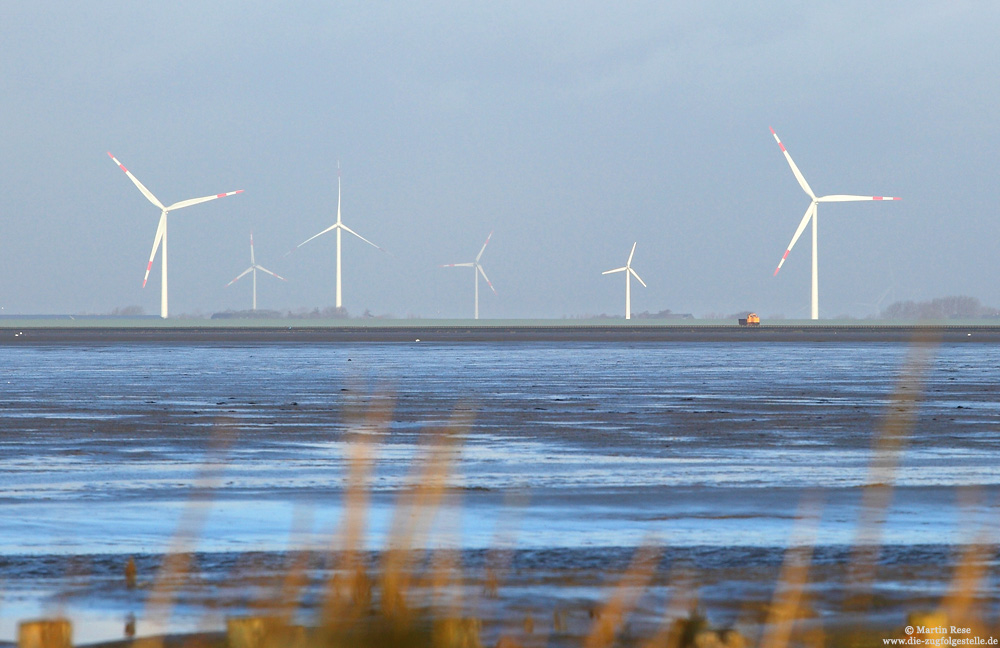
x=571 y=446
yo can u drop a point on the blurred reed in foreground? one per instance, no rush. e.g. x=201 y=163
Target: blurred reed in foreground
x=412 y=597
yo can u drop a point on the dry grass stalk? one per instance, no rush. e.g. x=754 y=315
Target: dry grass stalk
x=348 y=592
x=681 y=606
x=499 y=557
x=877 y=494
x=445 y=577
x=961 y=605
x=452 y=629
x=787 y=603
x=286 y=598
x=131 y=573
x=611 y=617
x=263 y=632
x=501 y=552
x=177 y=562
x=414 y=514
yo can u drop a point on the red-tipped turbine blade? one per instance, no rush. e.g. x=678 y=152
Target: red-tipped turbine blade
x=145 y=192
x=795 y=170
x=478 y=256
x=197 y=201
x=798 y=232
x=160 y=229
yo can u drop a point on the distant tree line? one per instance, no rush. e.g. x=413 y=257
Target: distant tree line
x=330 y=312
x=128 y=311
x=733 y=316
x=941 y=308
x=666 y=313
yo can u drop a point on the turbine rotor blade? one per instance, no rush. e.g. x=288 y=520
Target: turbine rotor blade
x=628 y=263
x=478 y=256
x=239 y=276
x=145 y=192
x=846 y=198
x=798 y=232
x=263 y=269
x=332 y=227
x=488 y=282
x=795 y=169
x=350 y=231
x=457 y=265
x=196 y=201
x=636 y=275
x=615 y=270
x=160 y=229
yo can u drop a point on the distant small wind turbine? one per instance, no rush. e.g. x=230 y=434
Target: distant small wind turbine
x=876 y=305
x=812 y=212
x=254 y=267
x=476 y=272
x=339 y=226
x=629 y=272
x=161 y=229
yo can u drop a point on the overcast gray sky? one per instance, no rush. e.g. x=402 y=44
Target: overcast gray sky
x=571 y=129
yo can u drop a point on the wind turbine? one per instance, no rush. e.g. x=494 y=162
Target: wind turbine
x=161 y=229
x=629 y=272
x=478 y=269
x=338 y=226
x=254 y=267
x=877 y=304
x=812 y=213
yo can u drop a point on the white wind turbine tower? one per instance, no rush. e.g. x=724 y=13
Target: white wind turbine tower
x=629 y=273
x=338 y=226
x=478 y=269
x=254 y=267
x=161 y=229
x=812 y=213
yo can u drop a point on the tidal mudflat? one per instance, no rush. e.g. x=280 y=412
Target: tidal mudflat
x=564 y=458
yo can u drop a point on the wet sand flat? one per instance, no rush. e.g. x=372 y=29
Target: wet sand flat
x=573 y=456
